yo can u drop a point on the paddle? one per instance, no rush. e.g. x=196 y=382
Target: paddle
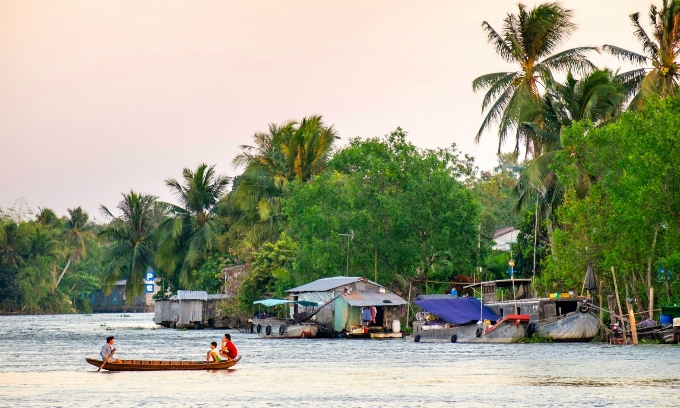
x=110 y=355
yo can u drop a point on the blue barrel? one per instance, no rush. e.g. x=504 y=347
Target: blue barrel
x=666 y=319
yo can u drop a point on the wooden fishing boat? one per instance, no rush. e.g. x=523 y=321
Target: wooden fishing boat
x=162 y=365
x=464 y=320
x=562 y=317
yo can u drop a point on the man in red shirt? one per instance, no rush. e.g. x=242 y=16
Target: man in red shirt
x=228 y=348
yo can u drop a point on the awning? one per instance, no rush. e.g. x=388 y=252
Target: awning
x=277 y=302
x=457 y=310
x=373 y=299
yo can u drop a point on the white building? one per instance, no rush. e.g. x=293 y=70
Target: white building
x=504 y=238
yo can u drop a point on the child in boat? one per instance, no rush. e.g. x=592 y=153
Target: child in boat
x=108 y=350
x=228 y=349
x=213 y=354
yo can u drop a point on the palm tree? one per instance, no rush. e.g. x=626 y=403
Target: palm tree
x=78 y=232
x=47 y=217
x=291 y=151
x=12 y=245
x=528 y=39
x=132 y=249
x=188 y=237
x=661 y=51
x=598 y=97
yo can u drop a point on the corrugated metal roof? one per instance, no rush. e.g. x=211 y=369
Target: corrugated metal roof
x=217 y=296
x=192 y=295
x=326 y=284
x=503 y=231
x=373 y=299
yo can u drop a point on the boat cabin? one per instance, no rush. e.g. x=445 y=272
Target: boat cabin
x=514 y=296
x=351 y=306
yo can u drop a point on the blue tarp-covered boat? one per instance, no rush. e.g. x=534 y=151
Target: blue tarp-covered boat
x=464 y=320
x=458 y=311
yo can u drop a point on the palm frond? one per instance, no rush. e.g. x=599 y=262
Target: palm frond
x=624 y=54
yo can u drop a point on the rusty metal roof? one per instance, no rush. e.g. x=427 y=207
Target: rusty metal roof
x=373 y=299
x=327 y=284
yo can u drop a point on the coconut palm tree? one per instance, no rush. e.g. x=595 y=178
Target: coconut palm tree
x=291 y=151
x=598 y=97
x=529 y=40
x=78 y=231
x=660 y=53
x=191 y=233
x=132 y=248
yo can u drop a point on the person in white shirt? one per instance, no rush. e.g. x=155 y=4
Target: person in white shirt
x=108 y=350
x=213 y=354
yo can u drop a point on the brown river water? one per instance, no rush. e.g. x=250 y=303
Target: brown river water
x=42 y=364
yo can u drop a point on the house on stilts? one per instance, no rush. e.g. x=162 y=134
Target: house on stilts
x=350 y=306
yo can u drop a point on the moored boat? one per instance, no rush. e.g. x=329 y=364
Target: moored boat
x=162 y=365
x=562 y=317
x=464 y=320
x=273 y=327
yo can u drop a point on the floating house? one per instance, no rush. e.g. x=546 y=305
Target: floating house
x=194 y=309
x=351 y=306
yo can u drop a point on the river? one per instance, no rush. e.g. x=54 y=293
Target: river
x=42 y=365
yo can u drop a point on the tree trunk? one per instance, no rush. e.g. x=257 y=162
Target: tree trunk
x=63 y=272
x=649 y=260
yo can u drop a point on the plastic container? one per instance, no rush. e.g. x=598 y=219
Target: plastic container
x=666 y=319
x=676 y=322
x=396 y=326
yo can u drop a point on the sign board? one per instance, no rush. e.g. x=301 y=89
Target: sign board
x=150 y=275
x=149 y=287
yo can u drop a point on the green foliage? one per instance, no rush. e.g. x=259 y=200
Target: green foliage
x=534 y=339
x=409 y=210
x=131 y=242
x=270 y=273
x=629 y=218
x=529 y=40
x=288 y=152
x=192 y=233
x=210 y=277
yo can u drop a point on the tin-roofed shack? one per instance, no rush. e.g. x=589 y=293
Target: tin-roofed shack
x=354 y=306
x=189 y=309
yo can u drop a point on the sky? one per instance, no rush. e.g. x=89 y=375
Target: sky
x=101 y=97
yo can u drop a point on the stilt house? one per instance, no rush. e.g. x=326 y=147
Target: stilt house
x=345 y=303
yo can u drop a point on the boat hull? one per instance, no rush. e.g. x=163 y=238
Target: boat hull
x=574 y=327
x=504 y=332
x=154 y=365
x=276 y=329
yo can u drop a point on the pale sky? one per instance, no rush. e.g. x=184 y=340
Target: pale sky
x=100 y=97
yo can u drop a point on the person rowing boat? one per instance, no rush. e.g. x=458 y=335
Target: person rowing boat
x=107 y=351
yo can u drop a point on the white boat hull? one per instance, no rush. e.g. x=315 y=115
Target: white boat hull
x=277 y=329
x=573 y=327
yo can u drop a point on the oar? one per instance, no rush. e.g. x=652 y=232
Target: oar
x=110 y=355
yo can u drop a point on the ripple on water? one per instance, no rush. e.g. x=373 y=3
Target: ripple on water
x=42 y=364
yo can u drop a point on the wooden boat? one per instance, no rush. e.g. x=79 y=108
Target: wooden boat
x=162 y=365
x=447 y=319
x=268 y=327
x=284 y=329
x=509 y=329
x=562 y=318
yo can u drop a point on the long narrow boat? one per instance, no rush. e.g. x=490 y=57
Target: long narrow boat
x=162 y=365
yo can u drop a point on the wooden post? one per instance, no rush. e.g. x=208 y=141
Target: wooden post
x=631 y=317
x=611 y=304
x=375 y=272
x=408 y=305
x=618 y=302
x=601 y=311
x=651 y=303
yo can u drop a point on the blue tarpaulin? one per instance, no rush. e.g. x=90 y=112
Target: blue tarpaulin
x=457 y=310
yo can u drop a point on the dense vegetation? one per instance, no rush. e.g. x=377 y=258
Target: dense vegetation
x=599 y=183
